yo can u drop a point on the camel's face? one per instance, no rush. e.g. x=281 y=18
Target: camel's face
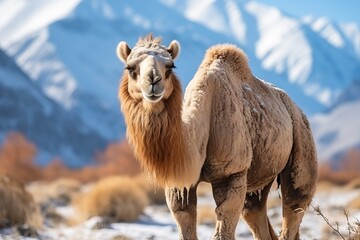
x=149 y=70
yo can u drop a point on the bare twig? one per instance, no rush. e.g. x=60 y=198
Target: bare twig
x=349 y=226
x=318 y=212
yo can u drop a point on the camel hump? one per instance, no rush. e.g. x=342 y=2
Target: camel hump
x=230 y=55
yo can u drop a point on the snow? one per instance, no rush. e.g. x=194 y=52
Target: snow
x=328 y=31
x=24 y=17
x=236 y=21
x=337 y=131
x=274 y=46
x=157 y=223
x=207 y=13
x=352 y=31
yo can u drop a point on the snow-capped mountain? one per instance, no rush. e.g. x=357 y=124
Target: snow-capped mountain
x=337 y=130
x=67 y=48
x=324 y=61
x=56 y=133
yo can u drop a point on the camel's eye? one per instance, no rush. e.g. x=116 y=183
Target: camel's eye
x=132 y=71
x=169 y=70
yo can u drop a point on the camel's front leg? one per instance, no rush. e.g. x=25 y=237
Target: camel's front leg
x=183 y=209
x=229 y=195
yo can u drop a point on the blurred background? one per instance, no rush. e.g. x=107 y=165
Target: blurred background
x=59 y=75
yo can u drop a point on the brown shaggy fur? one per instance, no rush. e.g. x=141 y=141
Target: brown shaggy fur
x=232 y=130
x=167 y=167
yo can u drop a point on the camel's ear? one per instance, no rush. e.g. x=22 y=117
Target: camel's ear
x=123 y=51
x=174 y=49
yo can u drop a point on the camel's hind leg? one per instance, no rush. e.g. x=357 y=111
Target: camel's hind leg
x=298 y=178
x=298 y=182
x=229 y=195
x=183 y=208
x=295 y=202
x=254 y=214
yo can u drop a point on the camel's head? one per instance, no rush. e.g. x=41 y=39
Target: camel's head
x=149 y=67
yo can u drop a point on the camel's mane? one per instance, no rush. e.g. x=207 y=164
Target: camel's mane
x=147 y=44
x=157 y=138
x=149 y=41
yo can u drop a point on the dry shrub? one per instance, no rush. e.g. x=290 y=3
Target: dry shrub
x=354 y=184
x=325 y=186
x=204 y=189
x=17 y=206
x=118 y=198
x=206 y=215
x=39 y=191
x=353 y=228
x=355 y=203
x=351 y=160
x=65 y=188
x=273 y=202
x=156 y=194
x=117 y=159
x=60 y=191
x=16 y=158
x=338 y=177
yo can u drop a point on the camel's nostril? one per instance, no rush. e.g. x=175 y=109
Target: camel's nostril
x=156 y=80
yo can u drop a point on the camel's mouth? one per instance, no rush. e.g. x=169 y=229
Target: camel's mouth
x=153 y=98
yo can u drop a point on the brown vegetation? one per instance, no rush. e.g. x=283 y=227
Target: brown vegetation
x=325 y=186
x=354 y=184
x=16 y=158
x=118 y=198
x=204 y=189
x=353 y=228
x=355 y=203
x=351 y=161
x=338 y=177
x=17 y=206
x=60 y=191
x=17 y=155
x=156 y=194
x=117 y=159
x=347 y=171
x=206 y=215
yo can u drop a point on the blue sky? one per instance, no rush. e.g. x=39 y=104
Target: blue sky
x=337 y=10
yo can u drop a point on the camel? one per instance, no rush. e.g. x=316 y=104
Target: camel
x=232 y=130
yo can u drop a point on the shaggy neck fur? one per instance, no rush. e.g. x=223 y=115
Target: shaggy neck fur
x=157 y=136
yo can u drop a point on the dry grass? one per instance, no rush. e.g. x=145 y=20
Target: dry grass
x=156 y=194
x=273 y=202
x=60 y=192
x=354 y=204
x=117 y=198
x=204 y=189
x=17 y=206
x=338 y=177
x=64 y=189
x=206 y=215
x=325 y=186
x=353 y=228
x=354 y=184
x=17 y=155
x=16 y=158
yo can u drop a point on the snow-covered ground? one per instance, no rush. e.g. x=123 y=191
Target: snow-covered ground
x=157 y=223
